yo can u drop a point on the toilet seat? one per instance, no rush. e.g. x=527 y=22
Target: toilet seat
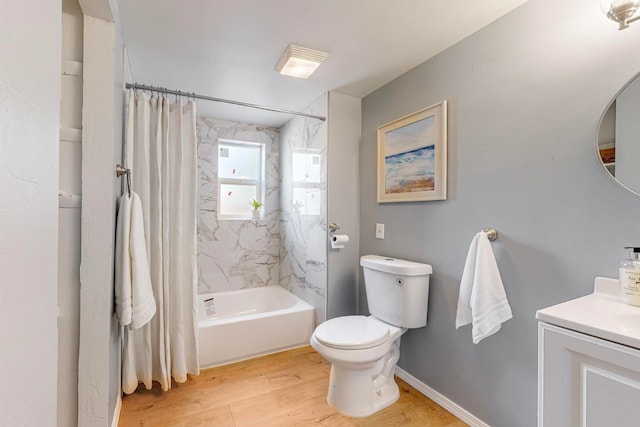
x=352 y=333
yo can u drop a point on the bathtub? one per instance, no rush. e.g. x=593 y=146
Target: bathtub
x=239 y=325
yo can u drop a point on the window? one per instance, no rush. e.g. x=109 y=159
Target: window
x=240 y=177
x=307 y=189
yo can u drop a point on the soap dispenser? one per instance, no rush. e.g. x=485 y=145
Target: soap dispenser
x=630 y=278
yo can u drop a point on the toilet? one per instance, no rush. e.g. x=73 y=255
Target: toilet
x=364 y=350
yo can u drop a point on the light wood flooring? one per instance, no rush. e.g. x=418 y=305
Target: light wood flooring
x=283 y=389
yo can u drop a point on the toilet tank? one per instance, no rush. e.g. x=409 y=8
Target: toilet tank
x=397 y=290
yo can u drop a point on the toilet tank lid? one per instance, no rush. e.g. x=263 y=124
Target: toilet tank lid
x=395 y=265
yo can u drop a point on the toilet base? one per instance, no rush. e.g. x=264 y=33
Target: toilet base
x=363 y=392
x=346 y=396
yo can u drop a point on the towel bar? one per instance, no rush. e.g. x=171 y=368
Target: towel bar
x=492 y=234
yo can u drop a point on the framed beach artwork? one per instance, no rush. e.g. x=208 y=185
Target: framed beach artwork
x=412 y=157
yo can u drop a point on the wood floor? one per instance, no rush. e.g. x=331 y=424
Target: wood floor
x=284 y=389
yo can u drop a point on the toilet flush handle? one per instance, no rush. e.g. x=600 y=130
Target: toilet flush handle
x=333 y=227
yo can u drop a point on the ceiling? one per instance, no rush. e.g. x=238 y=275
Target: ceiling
x=228 y=48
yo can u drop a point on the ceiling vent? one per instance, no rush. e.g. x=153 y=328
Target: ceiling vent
x=298 y=61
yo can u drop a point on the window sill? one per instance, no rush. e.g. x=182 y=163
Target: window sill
x=238 y=219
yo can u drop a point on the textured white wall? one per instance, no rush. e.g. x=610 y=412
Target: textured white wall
x=29 y=141
x=69 y=216
x=103 y=103
x=104 y=66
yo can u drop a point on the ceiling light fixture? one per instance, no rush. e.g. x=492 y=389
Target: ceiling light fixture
x=621 y=11
x=298 y=61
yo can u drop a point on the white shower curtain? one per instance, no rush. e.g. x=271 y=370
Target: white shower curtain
x=161 y=153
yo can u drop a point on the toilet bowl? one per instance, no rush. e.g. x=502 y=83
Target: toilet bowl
x=364 y=350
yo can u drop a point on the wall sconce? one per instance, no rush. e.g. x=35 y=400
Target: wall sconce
x=621 y=11
x=301 y=62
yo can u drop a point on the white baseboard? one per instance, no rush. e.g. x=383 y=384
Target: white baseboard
x=441 y=400
x=116 y=411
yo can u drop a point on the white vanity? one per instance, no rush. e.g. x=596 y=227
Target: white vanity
x=589 y=361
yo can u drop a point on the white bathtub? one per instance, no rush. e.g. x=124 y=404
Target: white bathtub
x=239 y=325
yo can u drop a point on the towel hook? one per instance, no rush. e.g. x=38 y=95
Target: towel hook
x=124 y=171
x=491 y=233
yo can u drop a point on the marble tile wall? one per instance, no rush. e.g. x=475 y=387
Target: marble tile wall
x=236 y=254
x=303 y=221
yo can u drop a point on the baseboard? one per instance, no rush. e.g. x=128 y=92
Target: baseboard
x=441 y=400
x=116 y=411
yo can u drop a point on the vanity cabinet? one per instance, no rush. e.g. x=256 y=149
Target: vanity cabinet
x=586 y=381
x=589 y=361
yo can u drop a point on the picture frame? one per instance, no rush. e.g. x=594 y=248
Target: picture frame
x=412 y=157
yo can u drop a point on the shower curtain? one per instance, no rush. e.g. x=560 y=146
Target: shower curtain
x=161 y=153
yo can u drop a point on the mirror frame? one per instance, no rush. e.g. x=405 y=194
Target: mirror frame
x=595 y=145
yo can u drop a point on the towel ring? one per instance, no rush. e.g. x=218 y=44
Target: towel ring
x=492 y=234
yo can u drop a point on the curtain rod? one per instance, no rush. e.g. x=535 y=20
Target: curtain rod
x=226 y=101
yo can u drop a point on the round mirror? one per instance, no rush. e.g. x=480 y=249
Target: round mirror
x=618 y=142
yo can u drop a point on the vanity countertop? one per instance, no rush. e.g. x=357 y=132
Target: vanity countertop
x=601 y=314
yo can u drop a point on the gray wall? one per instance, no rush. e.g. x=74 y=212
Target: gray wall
x=525 y=96
x=343 y=148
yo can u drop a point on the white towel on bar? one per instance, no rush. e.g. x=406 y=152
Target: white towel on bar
x=135 y=304
x=482 y=300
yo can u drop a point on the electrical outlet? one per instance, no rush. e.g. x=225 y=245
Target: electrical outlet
x=379 y=231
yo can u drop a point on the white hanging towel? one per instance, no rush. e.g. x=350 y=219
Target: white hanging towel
x=482 y=300
x=135 y=304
